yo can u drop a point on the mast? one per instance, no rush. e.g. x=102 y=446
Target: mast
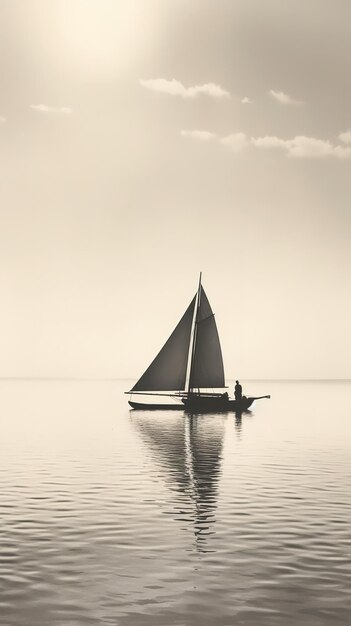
x=193 y=338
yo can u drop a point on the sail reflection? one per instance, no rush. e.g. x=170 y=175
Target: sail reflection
x=188 y=450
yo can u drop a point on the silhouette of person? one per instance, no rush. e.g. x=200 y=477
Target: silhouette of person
x=238 y=391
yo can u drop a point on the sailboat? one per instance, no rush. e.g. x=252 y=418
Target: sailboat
x=189 y=367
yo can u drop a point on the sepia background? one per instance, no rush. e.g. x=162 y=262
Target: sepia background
x=144 y=141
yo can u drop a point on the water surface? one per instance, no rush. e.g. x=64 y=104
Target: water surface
x=111 y=516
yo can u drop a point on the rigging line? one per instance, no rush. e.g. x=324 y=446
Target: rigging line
x=205 y=318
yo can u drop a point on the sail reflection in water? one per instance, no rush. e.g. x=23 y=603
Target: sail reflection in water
x=188 y=450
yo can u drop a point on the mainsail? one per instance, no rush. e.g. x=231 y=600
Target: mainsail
x=167 y=372
x=191 y=358
x=207 y=365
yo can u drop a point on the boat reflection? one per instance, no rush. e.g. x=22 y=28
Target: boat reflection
x=188 y=450
x=238 y=415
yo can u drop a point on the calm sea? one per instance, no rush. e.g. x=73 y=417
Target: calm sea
x=111 y=516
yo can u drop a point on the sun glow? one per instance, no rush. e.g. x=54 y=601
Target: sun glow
x=103 y=37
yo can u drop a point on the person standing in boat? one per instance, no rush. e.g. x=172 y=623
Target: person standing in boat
x=238 y=391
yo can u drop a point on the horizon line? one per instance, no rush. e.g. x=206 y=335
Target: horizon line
x=116 y=378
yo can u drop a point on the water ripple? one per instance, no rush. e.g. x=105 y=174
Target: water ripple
x=111 y=517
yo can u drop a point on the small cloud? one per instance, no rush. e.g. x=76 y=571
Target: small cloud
x=269 y=142
x=45 y=108
x=237 y=141
x=283 y=98
x=246 y=100
x=309 y=147
x=176 y=88
x=2 y=119
x=203 y=135
x=299 y=147
x=346 y=136
x=304 y=147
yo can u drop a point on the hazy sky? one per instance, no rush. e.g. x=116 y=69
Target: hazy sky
x=144 y=141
